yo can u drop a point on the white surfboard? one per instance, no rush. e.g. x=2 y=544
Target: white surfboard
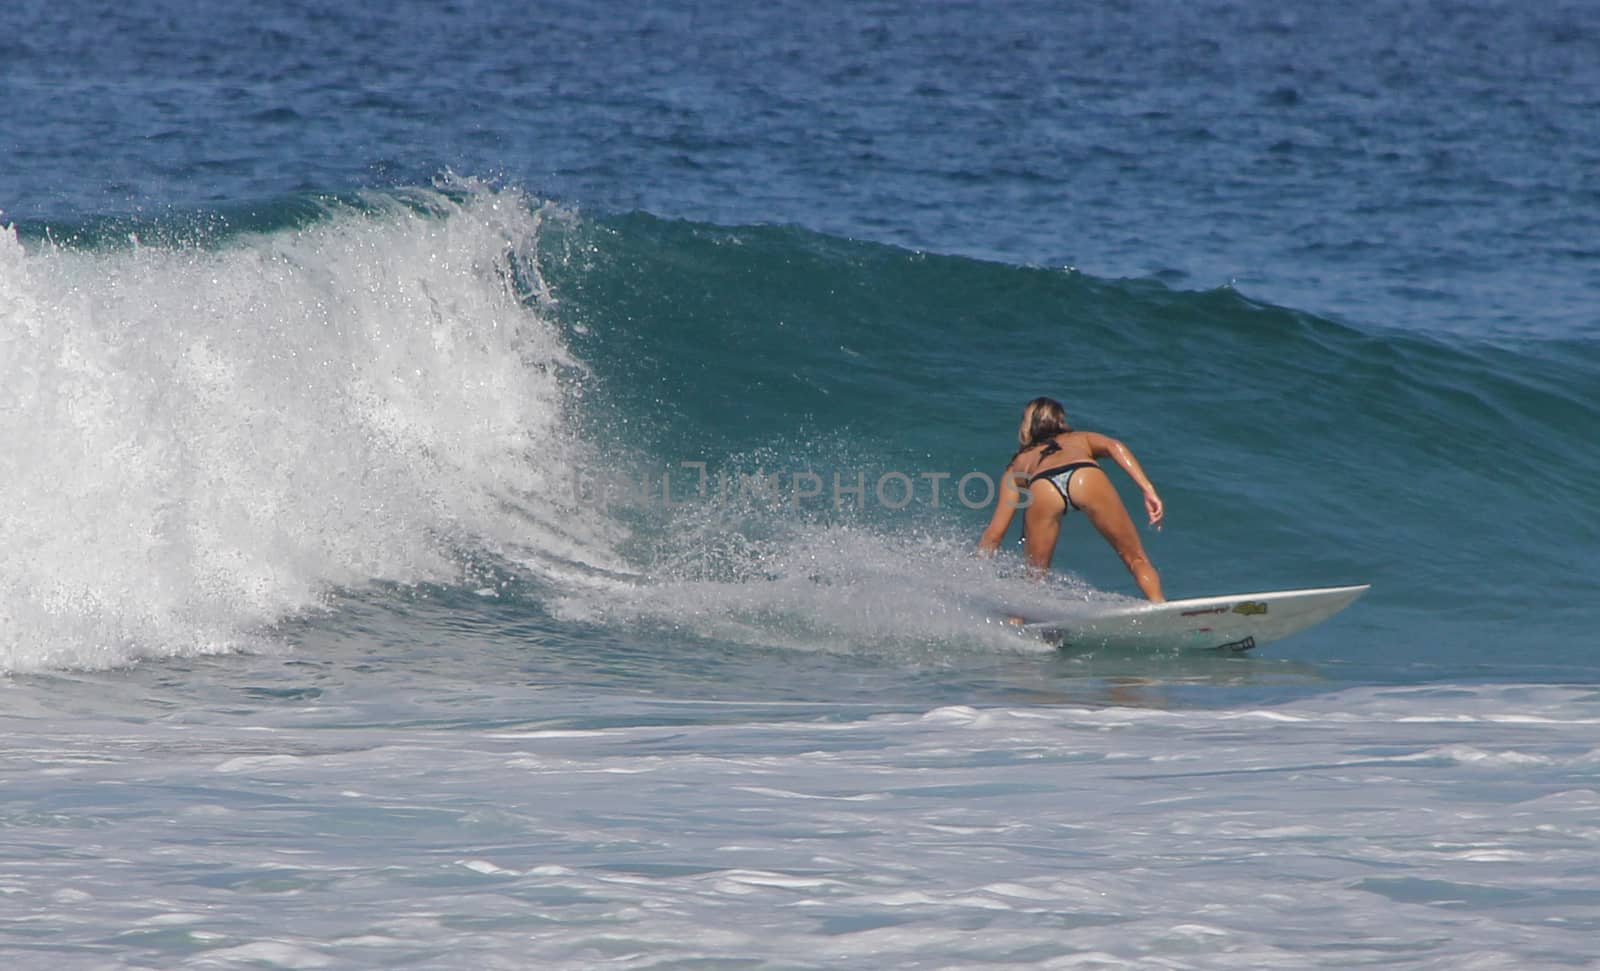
x=1236 y=623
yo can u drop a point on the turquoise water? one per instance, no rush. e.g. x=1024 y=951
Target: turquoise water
x=469 y=485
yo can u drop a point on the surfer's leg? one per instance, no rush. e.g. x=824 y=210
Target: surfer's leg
x=1093 y=492
x=1041 y=525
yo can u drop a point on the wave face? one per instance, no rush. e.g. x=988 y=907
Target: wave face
x=1292 y=448
x=230 y=427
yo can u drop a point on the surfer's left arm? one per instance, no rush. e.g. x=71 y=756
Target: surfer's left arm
x=1010 y=500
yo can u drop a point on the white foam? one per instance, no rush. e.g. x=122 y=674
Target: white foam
x=1368 y=827
x=274 y=954
x=777 y=579
x=201 y=442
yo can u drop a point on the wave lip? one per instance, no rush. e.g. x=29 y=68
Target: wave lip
x=203 y=439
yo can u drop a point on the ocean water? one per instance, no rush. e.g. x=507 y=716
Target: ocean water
x=487 y=487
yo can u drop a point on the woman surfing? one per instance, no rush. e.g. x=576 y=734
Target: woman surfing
x=1053 y=472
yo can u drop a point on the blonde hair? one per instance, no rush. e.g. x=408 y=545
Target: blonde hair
x=1042 y=420
x=1048 y=420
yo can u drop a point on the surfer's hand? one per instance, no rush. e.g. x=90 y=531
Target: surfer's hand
x=1152 y=505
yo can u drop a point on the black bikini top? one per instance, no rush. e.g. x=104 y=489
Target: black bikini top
x=1050 y=449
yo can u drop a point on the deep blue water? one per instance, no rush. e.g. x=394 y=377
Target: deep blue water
x=1426 y=166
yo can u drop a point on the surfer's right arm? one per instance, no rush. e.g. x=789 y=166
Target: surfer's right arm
x=1104 y=446
x=1010 y=500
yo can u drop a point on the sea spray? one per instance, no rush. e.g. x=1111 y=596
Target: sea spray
x=201 y=440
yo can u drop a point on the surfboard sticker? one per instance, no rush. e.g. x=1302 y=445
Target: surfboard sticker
x=1235 y=623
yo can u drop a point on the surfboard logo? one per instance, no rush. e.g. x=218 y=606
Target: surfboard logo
x=1244 y=645
x=1250 y=608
